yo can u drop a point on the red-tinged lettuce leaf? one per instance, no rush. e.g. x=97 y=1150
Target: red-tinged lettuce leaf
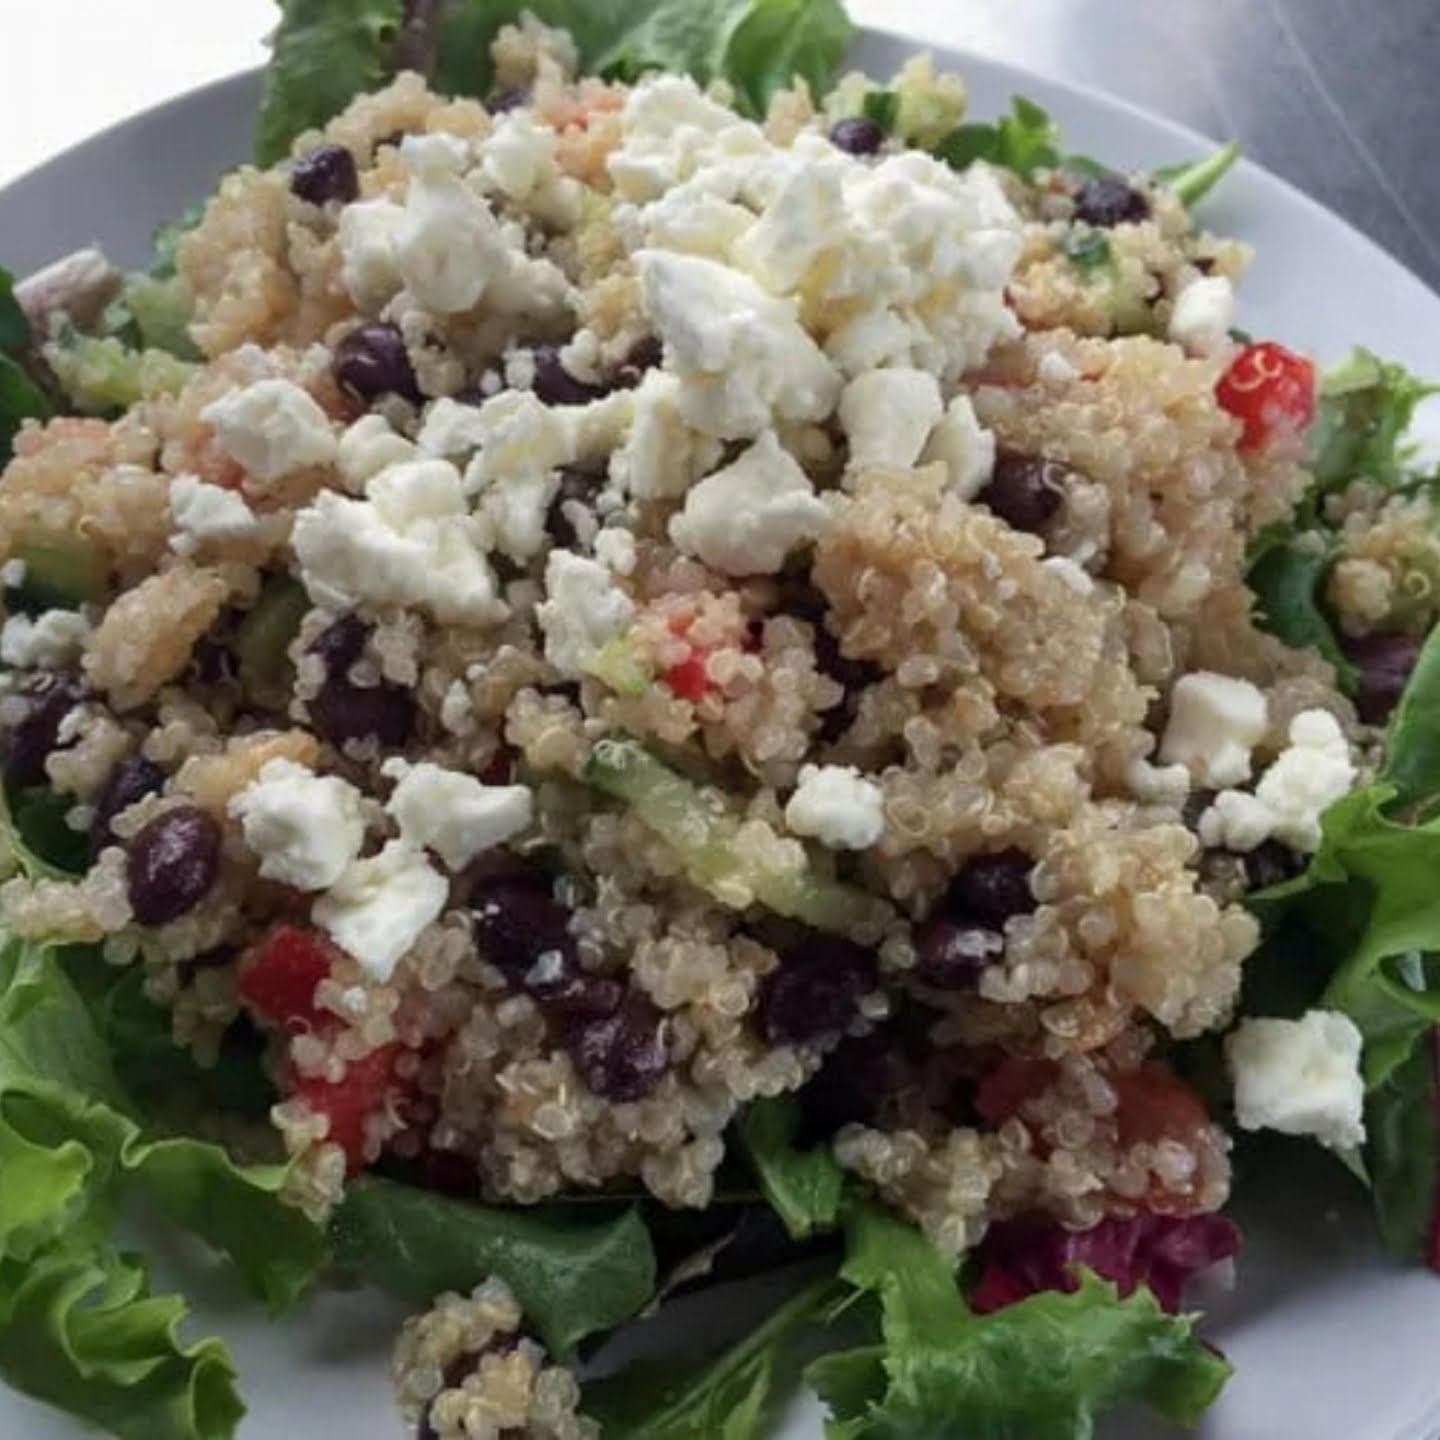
x=1042 y=1368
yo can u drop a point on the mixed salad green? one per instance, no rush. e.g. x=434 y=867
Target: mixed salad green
x=100 y=1113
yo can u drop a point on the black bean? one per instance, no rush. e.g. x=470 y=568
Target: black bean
x=950 y=954
x=341 y=643
x=622 y=1056
x=832 y=662
x=1271 y=864
x=511 y=98
x=1383 y=664
x=1025 y=491
x=50 y=698
x=1197 y=802
x=326 y=173
x=857 y=135
x=644 y=355
x=1106 y=200
x=342 y=711
x=172 y=863
x=212 y=662
x=814 y=990
x=372 y=361
x=579 y=995
x=132 y=779
x=515 y=920
x=992 y=888
x=577 y=483
x=555 y=385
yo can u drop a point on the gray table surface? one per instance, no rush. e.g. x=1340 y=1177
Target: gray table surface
x=1341 y=97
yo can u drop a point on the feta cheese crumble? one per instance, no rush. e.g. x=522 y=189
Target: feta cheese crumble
x=1204 y=312
x=204 y=512
x=1312 y=773
x=1216 y=722
x=746 y=518
x=378 y=907
x=455 y=815
x=887 y=416
x=368 y=447
x=964 y=447
x=306 y=828
x=584 y=608
x=1300 y=1077
x=48 y=641
x=271 y=429
x=836 y=805
x=411 y=541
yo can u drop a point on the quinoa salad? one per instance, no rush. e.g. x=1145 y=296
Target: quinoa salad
x=636 y=662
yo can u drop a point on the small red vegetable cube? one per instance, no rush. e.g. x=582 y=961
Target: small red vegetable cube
x=350 y=1102
x=690 y=679
x=279 y=982
x=1270 y=390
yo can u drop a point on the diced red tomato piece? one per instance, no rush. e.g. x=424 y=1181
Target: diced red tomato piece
x=350 y=1102
x=1155 y=1104
x=690 y=679
x=1270 y=390
x=1003 y=1090
x=280 y=981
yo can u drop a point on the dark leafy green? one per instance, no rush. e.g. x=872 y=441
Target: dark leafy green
x=328 y=51
x=1087 y=250
x=574 y=1275
x=1193 y=180
x=1024 y=141
x=78 y=1326
x=14 y=327
x=882 y=108
x=1288 y=578
x=37 y=817
x=1412 y=751
x=20 y=397
x=1041 y=1369
x=729 y=1397
x=804 y=1187
x=1402 y=1152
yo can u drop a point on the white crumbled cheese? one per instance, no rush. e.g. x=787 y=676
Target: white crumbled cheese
x=584 y=608
x=450 y=429
x=887 y=416
x=746 y=518
x=450 y=249
x=378 y=908
x=12 y=574
x=367 y=234
x=1236 y=820
x=1157 y=784
x=518 y=435
x=1066 y=570
x=1203 y=315
x=1312 y=773
x=271 y=429
x=455 y=815
x=517 y=508
x=743 y=358
x=410 y=542
x=518 y=160
x=1300 y=1077
x=368 y=447
x=48 y=641
x=796 y=228
x=1216 y=721
x=615 y=548
x=1055 y=369
x=434 y=153
x=306 y=828
x=206 y=512
x=964 y=447
x=837 y=806
x=662 y=456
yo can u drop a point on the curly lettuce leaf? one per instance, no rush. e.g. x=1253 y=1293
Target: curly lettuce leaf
x=328 y=51
x=938 y=1368
x=1024 y=141
x=728 y=1397
x=1193 y=180
x=574 y=1276
x=1412 y=749
x=78 y=1326
x=1366 y=407
x=804 y=1187
x=1288 y=578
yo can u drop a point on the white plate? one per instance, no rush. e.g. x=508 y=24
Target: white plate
x=1330 y=1341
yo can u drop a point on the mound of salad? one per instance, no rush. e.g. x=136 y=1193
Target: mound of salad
x=635 y=662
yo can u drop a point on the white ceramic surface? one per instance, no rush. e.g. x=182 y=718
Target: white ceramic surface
x=1330 y=1341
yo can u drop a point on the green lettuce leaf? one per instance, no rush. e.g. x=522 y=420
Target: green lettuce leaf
x=728 y=1397
x=1042 y=1368
x=328 y=51
x=78 y=1326
x=1024 y=141
x=20 y=397
x=804 y=1187
x=1365 y=410
x=1288 y=578
x=1402 y=1153
x=1412 y=750
x=1193 y=180
x=574 y=1275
